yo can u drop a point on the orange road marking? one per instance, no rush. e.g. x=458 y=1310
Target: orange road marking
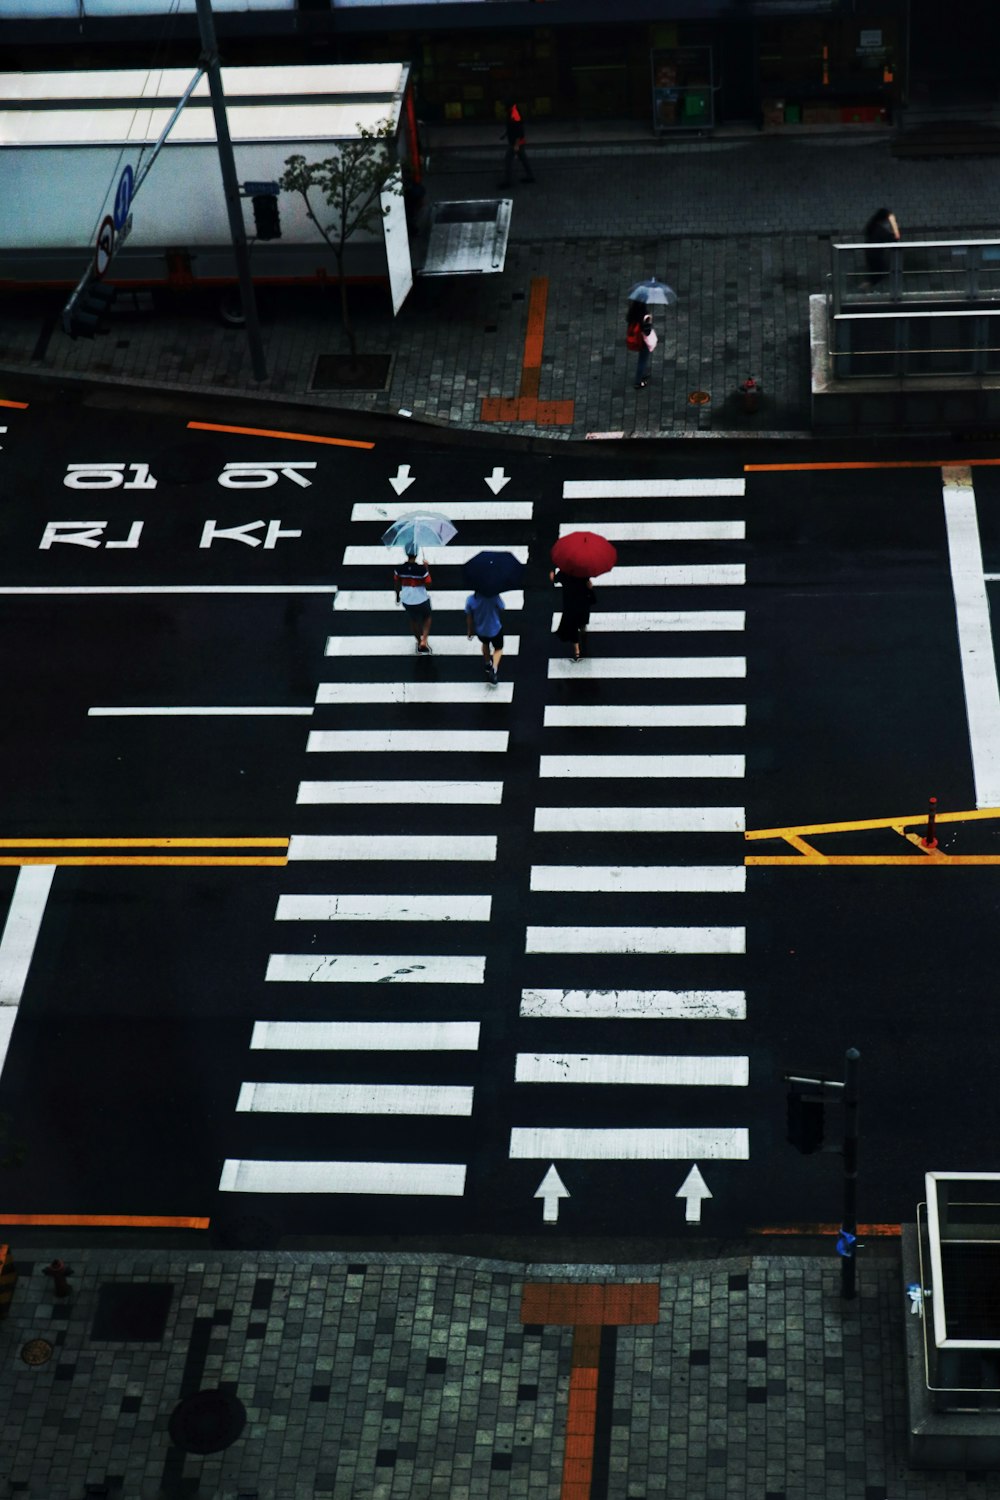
x=285 y=437
x=869 y=1231
x=112 y=1221
x=143 y=859
x=525 y=406
x=164 y=843
x=19 y=405
x=902 y=463
x=587 y=1308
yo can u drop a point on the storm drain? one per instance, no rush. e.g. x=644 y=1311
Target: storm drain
x=132 y=1312
x=338 y=372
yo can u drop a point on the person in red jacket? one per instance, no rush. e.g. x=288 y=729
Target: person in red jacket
x=514 y=133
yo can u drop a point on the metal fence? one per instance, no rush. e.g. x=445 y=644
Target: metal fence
x=920 y=307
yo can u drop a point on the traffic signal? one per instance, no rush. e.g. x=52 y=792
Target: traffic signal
x=265 y=216
x=805 y=1122
x=87 y=314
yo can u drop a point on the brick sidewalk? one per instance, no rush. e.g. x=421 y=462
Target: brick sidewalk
x=419 y=1376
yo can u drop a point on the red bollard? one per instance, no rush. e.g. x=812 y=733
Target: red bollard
x=59 y=1271
x=929 y=839
x=750 y=391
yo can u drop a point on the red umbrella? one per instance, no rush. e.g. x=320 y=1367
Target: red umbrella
x=584 y=554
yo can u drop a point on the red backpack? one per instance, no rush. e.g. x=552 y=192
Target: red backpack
x=633 y=336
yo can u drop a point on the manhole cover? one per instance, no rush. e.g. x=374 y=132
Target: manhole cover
x=207 y=1422
x=36 y=1352
x=698 y=398
x=338 y=372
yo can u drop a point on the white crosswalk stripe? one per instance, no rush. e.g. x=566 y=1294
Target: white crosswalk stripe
x=424 y=793
x=663 y=531
x=337 y=693
x=351 y=646
x=644 y=715
x=406 y=741
x=369 y=600
x=651 y=669
x=634 y=1005
x=434 y=557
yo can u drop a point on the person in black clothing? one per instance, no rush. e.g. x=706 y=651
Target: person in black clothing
x=514 y=133
x=578 y=600
x=880 y=230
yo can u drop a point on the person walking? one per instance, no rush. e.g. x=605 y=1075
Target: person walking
x=483 y=616
x=881 y=230
x=514 y=133
x=640 y=335
x=411 y=581
x=578 y=600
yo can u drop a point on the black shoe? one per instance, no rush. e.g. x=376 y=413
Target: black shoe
x=641 y=385
x=424 y=651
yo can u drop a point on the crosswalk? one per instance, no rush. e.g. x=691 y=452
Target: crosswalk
x=637 y=740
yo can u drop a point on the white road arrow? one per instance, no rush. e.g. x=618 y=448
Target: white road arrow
x=694 y=1189
x=402 y=479
x=497 y=480
x=550 y=1190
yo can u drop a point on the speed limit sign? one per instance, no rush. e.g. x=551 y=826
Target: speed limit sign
x=105 y=246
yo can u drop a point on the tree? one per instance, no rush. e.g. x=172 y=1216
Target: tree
x=352 y=184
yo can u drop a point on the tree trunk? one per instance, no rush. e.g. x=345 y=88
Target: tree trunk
x=345 y=314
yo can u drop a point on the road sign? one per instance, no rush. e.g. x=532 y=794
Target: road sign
x=105 y=245
x=259 y=189
x=123 y=197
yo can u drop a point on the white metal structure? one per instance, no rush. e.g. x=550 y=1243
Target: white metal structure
x=67 y=138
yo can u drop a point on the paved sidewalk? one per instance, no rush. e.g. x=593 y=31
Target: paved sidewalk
x=384 y=1375
x=739 y=224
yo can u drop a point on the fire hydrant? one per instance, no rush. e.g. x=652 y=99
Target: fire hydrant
x=750 y=391
x=59 y=1271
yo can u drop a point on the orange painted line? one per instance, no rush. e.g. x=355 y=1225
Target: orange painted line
x=154 y=843
x=285 y=437
x=18 y=405
x=590 y=1303
x=108 y=1221
x=277 y=860
x=534 y=334
x=902 y=463
x=869 y=1231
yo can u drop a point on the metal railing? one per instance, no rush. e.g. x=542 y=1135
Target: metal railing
x=915 y=308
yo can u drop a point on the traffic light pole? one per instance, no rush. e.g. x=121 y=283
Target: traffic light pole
x=234 y=208
x=848 y=1263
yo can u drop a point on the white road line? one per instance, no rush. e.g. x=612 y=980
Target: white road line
x=181 y=588
x=401 y=644
x=441 y=599
x=421 y=793
x=365 y=1036
x=407 y=741
x=650 y=621
x=196 y=713
x=434 y=557
x=455 y=510
x=644 y=715
x=634 y=1005
x=17 y=946
x=409 y=1178
x=682 y=576
x=727 y=879
x=355 y=1099
x=631 y=1068
x=649 y=489
x=975 y=637
x=375 y=968
x=661 y=531
x=413 y=692
x=639 y=820
x=390 y=846
x=351 y=907
x=564 y=1144
x=649 y=667
x=641 y=766
x=634 y=940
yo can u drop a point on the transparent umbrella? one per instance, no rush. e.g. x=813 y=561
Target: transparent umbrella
x=654 y=293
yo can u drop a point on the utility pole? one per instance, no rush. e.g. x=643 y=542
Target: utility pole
x=210 y=62
x=848 y=1264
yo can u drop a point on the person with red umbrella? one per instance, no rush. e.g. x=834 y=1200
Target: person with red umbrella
x=579 y=556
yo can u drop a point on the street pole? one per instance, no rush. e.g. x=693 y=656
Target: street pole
x=210 y=62
x=848 y=1263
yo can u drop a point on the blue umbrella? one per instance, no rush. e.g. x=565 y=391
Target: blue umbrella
x=491 y=572
x=419 y=528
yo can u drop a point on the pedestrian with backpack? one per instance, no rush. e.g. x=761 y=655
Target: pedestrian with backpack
x=640 y=335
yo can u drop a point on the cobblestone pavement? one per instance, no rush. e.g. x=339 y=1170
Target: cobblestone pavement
x=740 y=225
x=414 y=1376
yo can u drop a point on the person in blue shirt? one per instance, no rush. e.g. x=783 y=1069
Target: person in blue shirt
x=483 y=617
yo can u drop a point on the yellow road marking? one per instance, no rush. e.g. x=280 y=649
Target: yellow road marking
x=154 y=843
x=808 y=854
x=143 y=859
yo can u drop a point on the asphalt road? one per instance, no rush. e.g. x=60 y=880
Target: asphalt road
x=426 y=1027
